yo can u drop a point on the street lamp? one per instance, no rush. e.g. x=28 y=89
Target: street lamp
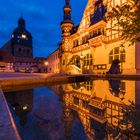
x=121 y=56
x=46 y=64
x=81 y=57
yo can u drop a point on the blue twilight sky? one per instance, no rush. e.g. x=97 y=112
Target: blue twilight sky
x=42 y=18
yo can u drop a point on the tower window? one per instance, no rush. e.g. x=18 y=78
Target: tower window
x=19 y=49
x=28 y=51
x=23 y=36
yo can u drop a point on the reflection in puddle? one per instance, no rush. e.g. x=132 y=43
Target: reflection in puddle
x=93 y=110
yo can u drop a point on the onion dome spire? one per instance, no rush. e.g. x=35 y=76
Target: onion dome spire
x=67 y=12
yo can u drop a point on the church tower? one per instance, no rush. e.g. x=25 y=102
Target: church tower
x=22 y=41
x=66 y=26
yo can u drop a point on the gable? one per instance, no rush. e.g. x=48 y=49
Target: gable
x=94 y=12
x=85 y=22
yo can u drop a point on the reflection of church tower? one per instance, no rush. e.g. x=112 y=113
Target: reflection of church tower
x=21 y=103
x=66 y=27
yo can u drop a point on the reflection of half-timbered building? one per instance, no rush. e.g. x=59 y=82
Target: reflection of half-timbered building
x=92 y=45
x=99 y=105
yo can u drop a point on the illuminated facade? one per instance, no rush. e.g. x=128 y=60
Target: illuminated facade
x=53 y=62
x=91 y=46
x=6 y=62
x=99 y=105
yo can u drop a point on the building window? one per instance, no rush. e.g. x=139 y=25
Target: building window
x=123 y=86
x=88 y=60
x=63 y=62
x=28 y=51
x=19 y=49
x=88 y=85
x=76 y=101
x=99 y=67
x=75 y=60
x=84 y=39
x=85 y=104
x=75 y=43
x=117 y=53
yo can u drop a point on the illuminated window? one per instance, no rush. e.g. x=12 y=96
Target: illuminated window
x=88 y=60
x=75 y=43
x=84 y=39
x=75 y=60
x=76 y=101
x=99 y=67
x=23 y=36
x=76 y=85
x=117 y=53
x=85 y=104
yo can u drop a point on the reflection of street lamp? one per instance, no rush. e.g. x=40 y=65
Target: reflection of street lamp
x=121 y=95
x=121 y=56
x=81 y=57
x=81 y=88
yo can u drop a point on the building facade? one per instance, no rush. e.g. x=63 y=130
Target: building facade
x=91 y=46
x=20 y=46
x=53 y=62
x=6 y=62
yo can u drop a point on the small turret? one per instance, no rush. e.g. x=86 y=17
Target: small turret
x=67 y=23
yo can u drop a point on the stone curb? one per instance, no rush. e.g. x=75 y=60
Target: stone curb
x=8 y=130
x=39 y=80
x=14 y=81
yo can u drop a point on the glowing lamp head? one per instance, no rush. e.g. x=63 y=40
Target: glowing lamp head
x=46 y=63
x=81 y=56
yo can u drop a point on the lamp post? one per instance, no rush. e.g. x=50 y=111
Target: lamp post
x=46 y=64
x=81 y=57
x=121 y=56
